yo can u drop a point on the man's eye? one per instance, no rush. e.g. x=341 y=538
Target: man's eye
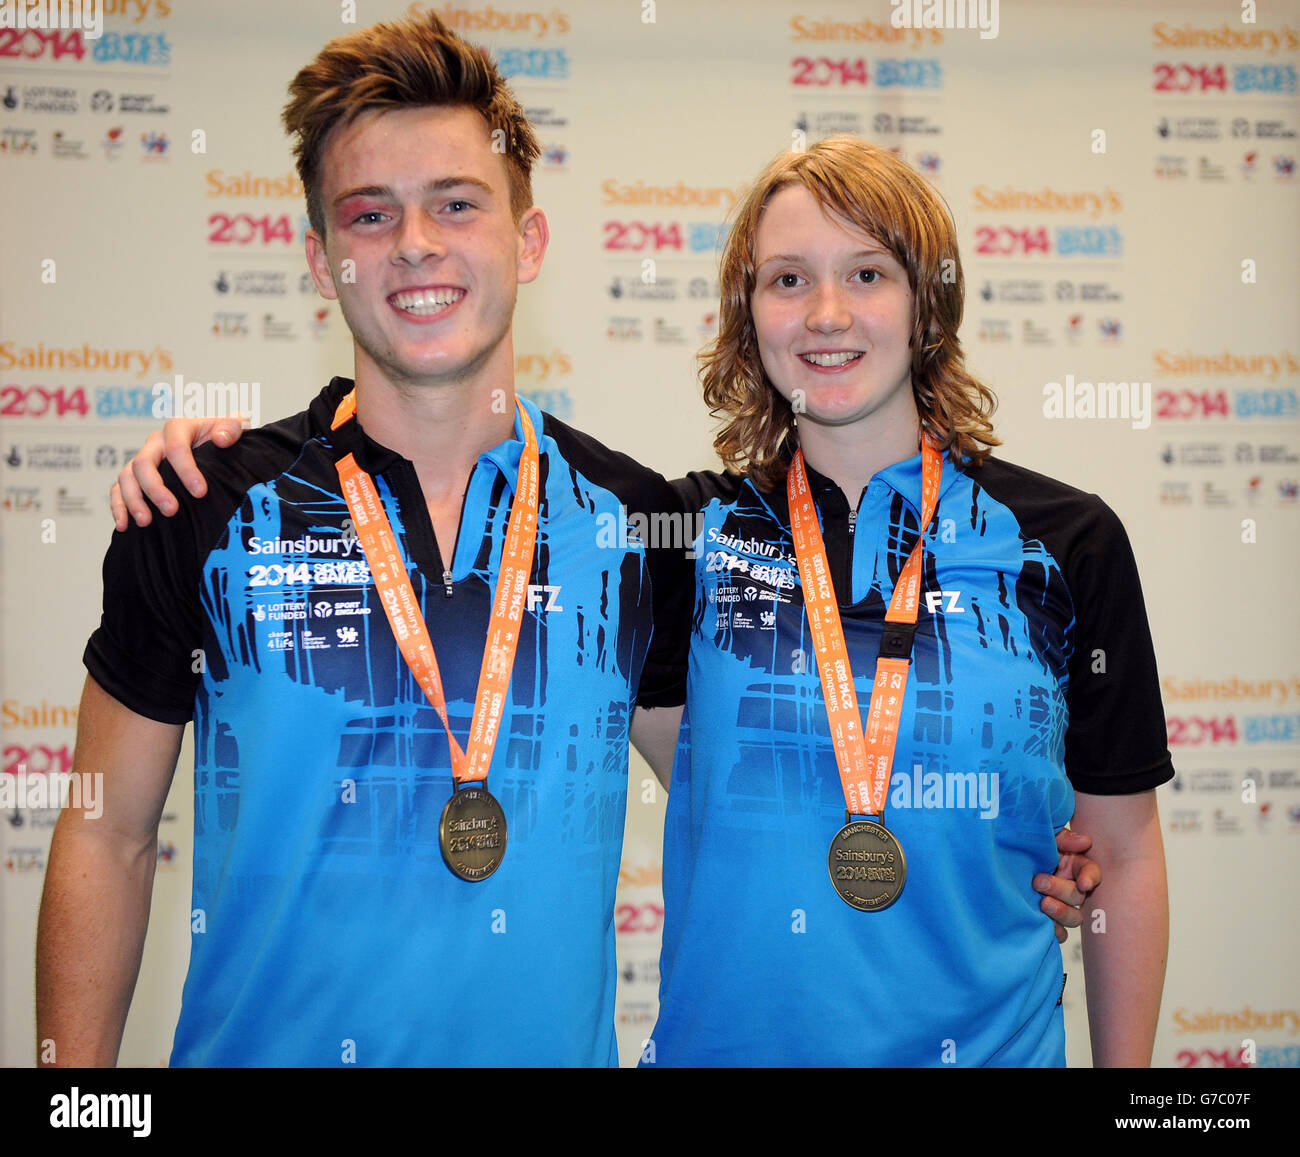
x=369 y=217
x=459 y=206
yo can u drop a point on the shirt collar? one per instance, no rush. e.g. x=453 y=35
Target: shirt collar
x=375 y=458
x=903 y=477
x=508 y=454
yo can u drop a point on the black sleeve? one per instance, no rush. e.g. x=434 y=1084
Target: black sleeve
x=1116 y=743
x=146 y=651
x=700 y=487
x=650 y=500
x=672 y=578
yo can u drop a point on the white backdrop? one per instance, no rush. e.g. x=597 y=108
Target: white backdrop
x=1123 y=177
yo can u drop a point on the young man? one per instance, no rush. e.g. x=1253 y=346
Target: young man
x=344 y=910
x=402 y=191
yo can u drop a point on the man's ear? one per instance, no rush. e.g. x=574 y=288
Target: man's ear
x=534 y=237
x=319 y=265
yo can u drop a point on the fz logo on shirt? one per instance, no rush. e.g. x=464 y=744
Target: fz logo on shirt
x=934 y=600
x=536 y=593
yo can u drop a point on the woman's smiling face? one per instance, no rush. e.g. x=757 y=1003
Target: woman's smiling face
x=832 y=313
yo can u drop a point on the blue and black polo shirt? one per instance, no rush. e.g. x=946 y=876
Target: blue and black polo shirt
x=1033 y=674
x=330 y=921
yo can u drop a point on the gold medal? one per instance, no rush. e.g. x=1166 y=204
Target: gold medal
x=472 y=833
x=472 y=830
x=867 y=865
x=866 y=862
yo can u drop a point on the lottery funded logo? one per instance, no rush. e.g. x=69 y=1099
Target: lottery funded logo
x=252 y=283
x=42 y=98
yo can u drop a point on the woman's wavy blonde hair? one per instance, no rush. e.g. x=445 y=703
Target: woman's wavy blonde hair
x=882 y=195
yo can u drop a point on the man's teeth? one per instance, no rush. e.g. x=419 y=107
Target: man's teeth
x=829 y=360
x=426 y=300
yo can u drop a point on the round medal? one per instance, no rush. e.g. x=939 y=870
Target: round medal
x=867 y=865
x=472 y=833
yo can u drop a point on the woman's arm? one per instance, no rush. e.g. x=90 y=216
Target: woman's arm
x=1125 y=926
x=139 y=478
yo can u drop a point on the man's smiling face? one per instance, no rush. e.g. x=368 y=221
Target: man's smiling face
x=419 y=204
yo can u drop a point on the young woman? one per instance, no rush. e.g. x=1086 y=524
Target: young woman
x=842 y=297
x=863 y=501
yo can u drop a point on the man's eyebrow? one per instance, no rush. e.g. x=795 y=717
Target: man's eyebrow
x=441 y=185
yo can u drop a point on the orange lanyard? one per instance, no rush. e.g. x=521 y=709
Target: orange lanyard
x=864 y=763
x=402 y=607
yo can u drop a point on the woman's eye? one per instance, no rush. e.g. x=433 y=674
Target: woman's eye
x=869 y=276
x=788 y=280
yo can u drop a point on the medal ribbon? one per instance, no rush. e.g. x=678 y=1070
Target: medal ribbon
x=864 y=762
x=403 y=609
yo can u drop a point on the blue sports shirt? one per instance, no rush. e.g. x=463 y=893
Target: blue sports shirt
x=328 y=930
x=1032 y=674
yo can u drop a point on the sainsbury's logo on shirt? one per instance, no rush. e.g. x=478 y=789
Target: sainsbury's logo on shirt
x=345 y=544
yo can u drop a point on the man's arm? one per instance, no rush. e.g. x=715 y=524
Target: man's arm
x=1126 y=934
x=98 y=885
x=139 y=478
x=654 y=735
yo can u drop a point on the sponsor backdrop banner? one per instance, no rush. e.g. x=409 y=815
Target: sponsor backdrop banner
x=1124 y=182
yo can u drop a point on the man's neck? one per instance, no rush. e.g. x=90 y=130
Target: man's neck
x=850 y=458
x=441 y=429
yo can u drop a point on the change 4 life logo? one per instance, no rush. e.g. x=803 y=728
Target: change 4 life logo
x=16 y=142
